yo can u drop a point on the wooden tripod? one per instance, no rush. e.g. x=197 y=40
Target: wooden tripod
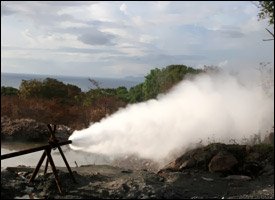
x=47 y=152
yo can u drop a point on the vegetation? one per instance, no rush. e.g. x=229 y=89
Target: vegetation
x=8 y=91
x=52 y=101
x=136 y=93
x=160 y=81
x=48 y=89
x=267 y=11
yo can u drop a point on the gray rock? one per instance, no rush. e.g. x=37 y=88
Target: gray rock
x=187 y=164
x=238 y=177
x=207 y=179
x=30 y=130
x=222 y=162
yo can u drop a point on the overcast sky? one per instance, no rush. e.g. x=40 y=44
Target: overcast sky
x=117 y=39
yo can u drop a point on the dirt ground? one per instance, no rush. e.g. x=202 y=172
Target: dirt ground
x=107 y=182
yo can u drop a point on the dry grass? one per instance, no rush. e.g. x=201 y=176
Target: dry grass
x=55 y=111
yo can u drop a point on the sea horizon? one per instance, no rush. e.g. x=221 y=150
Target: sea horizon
x=14 y=80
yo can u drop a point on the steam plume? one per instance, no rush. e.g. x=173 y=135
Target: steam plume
x=208 y=106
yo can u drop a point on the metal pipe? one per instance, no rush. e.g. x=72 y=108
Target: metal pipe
x=19 y=153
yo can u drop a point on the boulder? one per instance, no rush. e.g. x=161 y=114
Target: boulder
x=222 y=162
x=225 y=158
x=187 y=164
x=199 y=158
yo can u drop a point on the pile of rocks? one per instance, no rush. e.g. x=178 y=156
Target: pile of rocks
x=29 y=130
x=226 y=159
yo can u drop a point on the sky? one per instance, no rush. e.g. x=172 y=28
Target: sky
x=118 y=39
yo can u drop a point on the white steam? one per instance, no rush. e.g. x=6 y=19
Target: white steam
x=194 y=110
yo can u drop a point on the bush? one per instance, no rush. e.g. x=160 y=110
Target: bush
x=8 y=91
x=48 y=89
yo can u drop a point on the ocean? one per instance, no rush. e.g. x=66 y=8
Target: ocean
x=14 y=80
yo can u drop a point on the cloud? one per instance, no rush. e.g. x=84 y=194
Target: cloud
x=68 y=3
x=63 y=49
x=147 y=39
x=104 y=11
x=166 y=58
x=160 y=60
x=231 y=33
x=89 y=51
x=6 y=10
x=136 y=35
x=123 y=8
x=96 y=37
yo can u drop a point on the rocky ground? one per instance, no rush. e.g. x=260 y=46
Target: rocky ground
x=29 y=130
x=215 y=171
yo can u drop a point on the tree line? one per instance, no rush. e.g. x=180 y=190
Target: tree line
x=52 y=101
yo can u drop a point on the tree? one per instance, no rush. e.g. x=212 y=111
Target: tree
x=8 y=91
x=94 y=83
x=122 y=93
x=48 y=89
x=266 y=72
x=73 y=91
x=30 y=88
x=52 y=88
x=162 y=80
x=136 y=94
x=266 y=11
x=151 y=86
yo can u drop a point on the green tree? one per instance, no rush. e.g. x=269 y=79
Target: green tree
x=136 y=94
x=30 y=88
x=122 y=93
x=266 y=11
x=52 y=88
x=160 y=81
x=9 y=91
x=48 y=89
x=151 y=86
x=73 y=91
